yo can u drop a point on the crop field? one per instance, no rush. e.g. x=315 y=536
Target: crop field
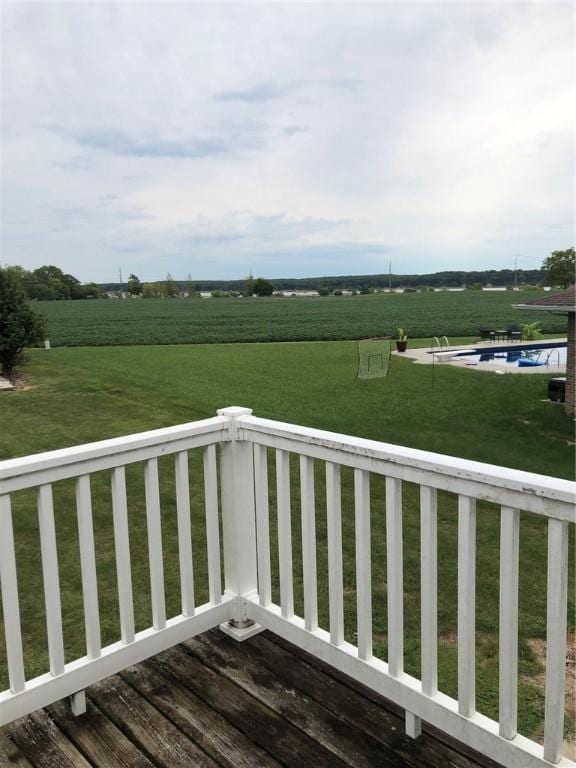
x=213 y=321
x=79 y=395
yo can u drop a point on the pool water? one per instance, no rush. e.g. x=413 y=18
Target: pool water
x=530 y=355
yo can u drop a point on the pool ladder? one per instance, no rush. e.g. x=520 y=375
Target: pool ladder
x=441 y=343
x=552 y=351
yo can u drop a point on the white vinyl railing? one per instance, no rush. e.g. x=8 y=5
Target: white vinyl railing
x=41 y=472
x=240 y=444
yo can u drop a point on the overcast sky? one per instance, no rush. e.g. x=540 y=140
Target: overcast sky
x=290 y=139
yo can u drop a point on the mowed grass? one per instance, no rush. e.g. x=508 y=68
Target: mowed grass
x=214 y=321
x=79 y=395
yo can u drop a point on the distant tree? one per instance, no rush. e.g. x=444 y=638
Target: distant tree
x=322 y=291
x=93 y=291
x=560 y=267
x=20 y=326
x=191 y=292
x=170 y=289
x=87 y=291
x=51 y=283
x=263 y=287
x=149 y=291
x=134 y=286
x=249 y=285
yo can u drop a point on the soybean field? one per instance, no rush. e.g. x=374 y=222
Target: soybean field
x=230 y=320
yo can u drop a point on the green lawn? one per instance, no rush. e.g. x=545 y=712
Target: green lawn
x=214 y=321
x=78 y=395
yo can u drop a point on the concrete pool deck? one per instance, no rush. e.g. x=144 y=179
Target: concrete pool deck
x=423 y=357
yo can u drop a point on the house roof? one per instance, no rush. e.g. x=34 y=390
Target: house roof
x=557 y=302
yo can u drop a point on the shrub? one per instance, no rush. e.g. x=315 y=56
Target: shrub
x=531 y=331
x=20 y=326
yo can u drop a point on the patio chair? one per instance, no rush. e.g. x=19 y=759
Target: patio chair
x=487 y=334
x=514 y=333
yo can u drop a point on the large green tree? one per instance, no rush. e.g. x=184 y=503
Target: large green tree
x=134 y=286
x=262 y=287
x=20 y=326
x=560 y=267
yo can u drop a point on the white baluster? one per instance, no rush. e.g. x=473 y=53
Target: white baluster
x=184 y=533
x=88 y=566
x=284 y=533
x=429 y=589
x=363 y=562
x=122 y=546
x=334 y=530
x=10 y=606
x=394 y=556
x=212 y=528
x=307 y=503
x=556 y=638
x=466 y=605
x=51 y=579
x=508 y=663
x=154 y=529
x=262 y=524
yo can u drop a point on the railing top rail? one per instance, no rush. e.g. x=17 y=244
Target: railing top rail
x=28 y=471
x=551 y=496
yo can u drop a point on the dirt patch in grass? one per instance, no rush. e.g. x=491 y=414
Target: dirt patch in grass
x=538 y=648
x=449 y=639
x=21 y=382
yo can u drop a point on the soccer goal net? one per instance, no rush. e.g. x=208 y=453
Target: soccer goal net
x=373 y=357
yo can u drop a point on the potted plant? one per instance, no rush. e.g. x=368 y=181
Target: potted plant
x=401 y=340
x=531 y=331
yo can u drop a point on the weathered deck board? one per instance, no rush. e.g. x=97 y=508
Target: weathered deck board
x=44 y=744
x=258 y=722
x=334 y=733
x=452 y=744
x=98 y=738
x=10 y=754
x=361 y=713
x=222 y=741
x=145 y=726
x=213 y=702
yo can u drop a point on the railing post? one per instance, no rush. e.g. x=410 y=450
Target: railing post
x=238 y=525
x=78 y=703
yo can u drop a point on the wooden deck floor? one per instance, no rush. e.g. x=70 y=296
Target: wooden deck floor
x=214 y=702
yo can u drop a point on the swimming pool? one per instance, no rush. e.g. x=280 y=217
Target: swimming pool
x=530 y=355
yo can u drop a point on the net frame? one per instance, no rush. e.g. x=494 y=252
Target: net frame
x=385 y=355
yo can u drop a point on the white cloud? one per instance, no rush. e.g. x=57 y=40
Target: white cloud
x=302 y=138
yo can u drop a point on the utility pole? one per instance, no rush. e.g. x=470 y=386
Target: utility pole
x=121 y=286
x=390 y=277
x=516 y=273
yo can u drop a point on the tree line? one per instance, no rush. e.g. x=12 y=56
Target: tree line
x=557 y=270
x=173 y=289
x=49 y=283
x=453 y=279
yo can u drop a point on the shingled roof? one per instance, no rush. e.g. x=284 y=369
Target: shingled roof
x=557 y=302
